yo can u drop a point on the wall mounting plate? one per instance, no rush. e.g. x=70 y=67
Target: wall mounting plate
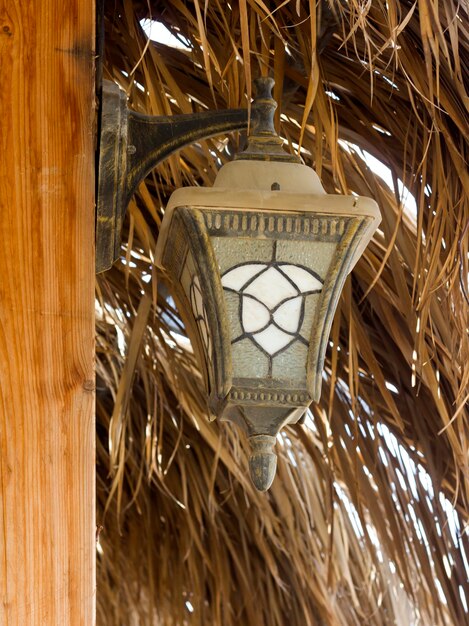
x=130 y=146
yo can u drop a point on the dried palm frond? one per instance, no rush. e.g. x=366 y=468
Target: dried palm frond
x=366 y=522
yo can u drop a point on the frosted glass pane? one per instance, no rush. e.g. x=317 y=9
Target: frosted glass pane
x=288 y=314
x=291 y=363
x=236 y=278
x=255 y=315
x=302 y=278
x=272 y=339
x=203 y=330
x=248 y=360
x=232 y=310
x=317 y=256
x=186 y=280
x=199 y=306
x=271 y=287
x=197 y=303
x=230 y=252
x=311 y=304
x=193 y=305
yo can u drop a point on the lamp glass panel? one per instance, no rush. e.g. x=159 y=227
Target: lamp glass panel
x=271 y=288
x=287 y=315
x=191 y=285
x=255 y=315
x=262 y=288
x=273 y=340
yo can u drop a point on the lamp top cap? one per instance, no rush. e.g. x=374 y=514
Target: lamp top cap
x=264 y=144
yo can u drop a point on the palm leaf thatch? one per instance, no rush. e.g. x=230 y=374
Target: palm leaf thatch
x=366 y=522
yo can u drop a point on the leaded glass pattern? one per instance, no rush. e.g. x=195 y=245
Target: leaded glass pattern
x=200 y=314
x=272 y=296
x=191 y=285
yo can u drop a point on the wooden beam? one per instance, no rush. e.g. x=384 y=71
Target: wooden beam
x=47 y=458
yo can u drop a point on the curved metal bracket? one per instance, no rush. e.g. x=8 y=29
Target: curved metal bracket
x=130 y=146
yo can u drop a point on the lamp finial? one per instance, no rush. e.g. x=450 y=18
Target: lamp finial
x=263 y=142
x=263 y=461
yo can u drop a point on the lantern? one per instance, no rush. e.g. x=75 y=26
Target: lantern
x=257 y=264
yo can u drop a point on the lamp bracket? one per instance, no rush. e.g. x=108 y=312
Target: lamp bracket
x=130 y=146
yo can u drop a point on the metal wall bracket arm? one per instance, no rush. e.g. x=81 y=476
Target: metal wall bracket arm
x=130 y=146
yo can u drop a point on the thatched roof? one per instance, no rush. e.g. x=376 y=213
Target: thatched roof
x=366 y=522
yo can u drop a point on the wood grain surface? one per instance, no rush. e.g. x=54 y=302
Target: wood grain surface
x=47 y=456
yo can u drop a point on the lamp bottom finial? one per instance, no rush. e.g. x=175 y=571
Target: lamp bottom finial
x=263 y=461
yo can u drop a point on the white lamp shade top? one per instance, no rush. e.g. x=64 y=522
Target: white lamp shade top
x=273 y=186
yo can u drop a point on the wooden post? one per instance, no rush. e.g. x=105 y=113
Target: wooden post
x=47 y=458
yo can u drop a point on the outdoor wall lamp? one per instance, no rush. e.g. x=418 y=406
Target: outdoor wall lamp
x=257 y=265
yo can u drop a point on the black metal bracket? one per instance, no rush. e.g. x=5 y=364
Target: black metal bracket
x=130 y=146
